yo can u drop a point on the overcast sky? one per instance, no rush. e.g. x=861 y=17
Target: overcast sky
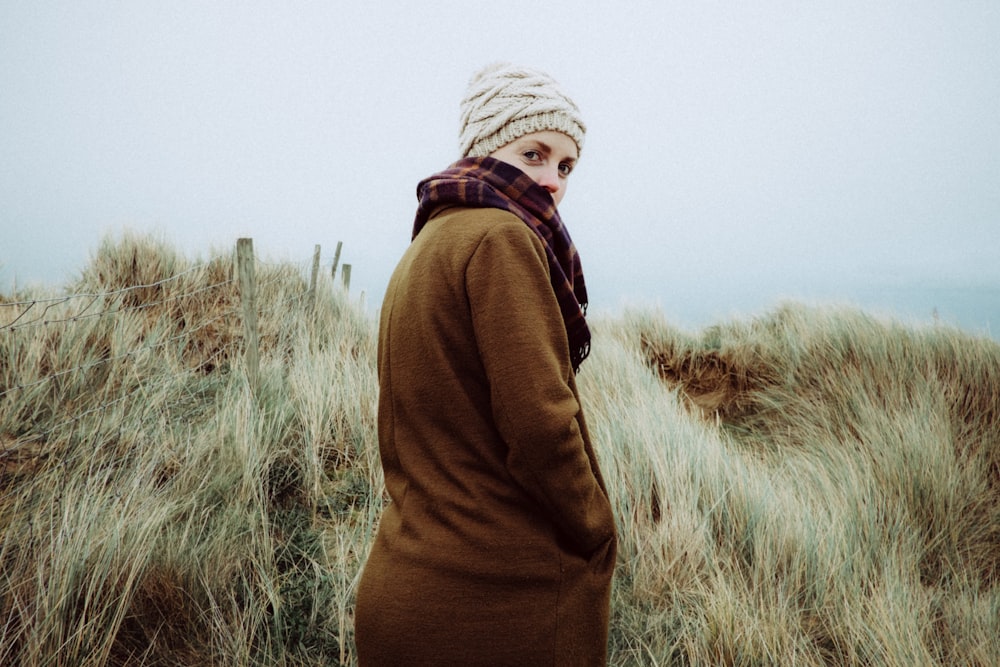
x=738 y=153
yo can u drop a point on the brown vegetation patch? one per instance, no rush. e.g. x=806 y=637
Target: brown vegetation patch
x=710 y=380
x=163 y=625
x=19 y=459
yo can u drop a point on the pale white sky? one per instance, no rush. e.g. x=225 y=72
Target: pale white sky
x=737 y=153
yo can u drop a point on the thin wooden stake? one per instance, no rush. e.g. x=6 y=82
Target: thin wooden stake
x=347 y=277
x=248 y=299
x=336 y=260
x=312 y=280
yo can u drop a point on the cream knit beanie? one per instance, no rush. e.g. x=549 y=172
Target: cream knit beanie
x=504 y=102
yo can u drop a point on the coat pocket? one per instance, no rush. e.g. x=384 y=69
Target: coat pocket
x=602 y=560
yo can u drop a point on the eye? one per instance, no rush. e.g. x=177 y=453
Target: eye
x=565 y=168
x=532 y=155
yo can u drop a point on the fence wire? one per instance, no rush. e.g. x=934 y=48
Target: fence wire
x=31 y=314
x=84 y=315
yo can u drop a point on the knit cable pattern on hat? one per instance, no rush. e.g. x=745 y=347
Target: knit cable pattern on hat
x=504 y=102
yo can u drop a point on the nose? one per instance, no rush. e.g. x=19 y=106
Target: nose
x=549 y=179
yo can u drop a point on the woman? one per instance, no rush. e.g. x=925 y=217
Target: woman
x=499 y=543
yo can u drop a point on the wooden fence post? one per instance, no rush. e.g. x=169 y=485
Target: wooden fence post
x=336 y=260
x=312 y=280
x=248 y=299
x=347 y=277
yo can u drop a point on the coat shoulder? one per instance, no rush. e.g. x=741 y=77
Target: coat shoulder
x=478 y=223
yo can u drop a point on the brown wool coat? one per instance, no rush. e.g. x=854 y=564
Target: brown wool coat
x=499 y=543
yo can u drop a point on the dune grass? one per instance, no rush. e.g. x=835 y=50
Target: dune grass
x=812 y=487
x=841 y=503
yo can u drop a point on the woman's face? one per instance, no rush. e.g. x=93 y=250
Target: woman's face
x=547 y=157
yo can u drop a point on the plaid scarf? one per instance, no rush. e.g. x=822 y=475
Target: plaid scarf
x=489 y=183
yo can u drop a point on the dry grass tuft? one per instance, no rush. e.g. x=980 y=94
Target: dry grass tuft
x=876 y=445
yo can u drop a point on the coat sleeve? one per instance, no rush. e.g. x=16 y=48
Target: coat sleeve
x=523 y=346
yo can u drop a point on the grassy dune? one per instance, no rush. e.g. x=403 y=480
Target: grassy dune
x=814 y=487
